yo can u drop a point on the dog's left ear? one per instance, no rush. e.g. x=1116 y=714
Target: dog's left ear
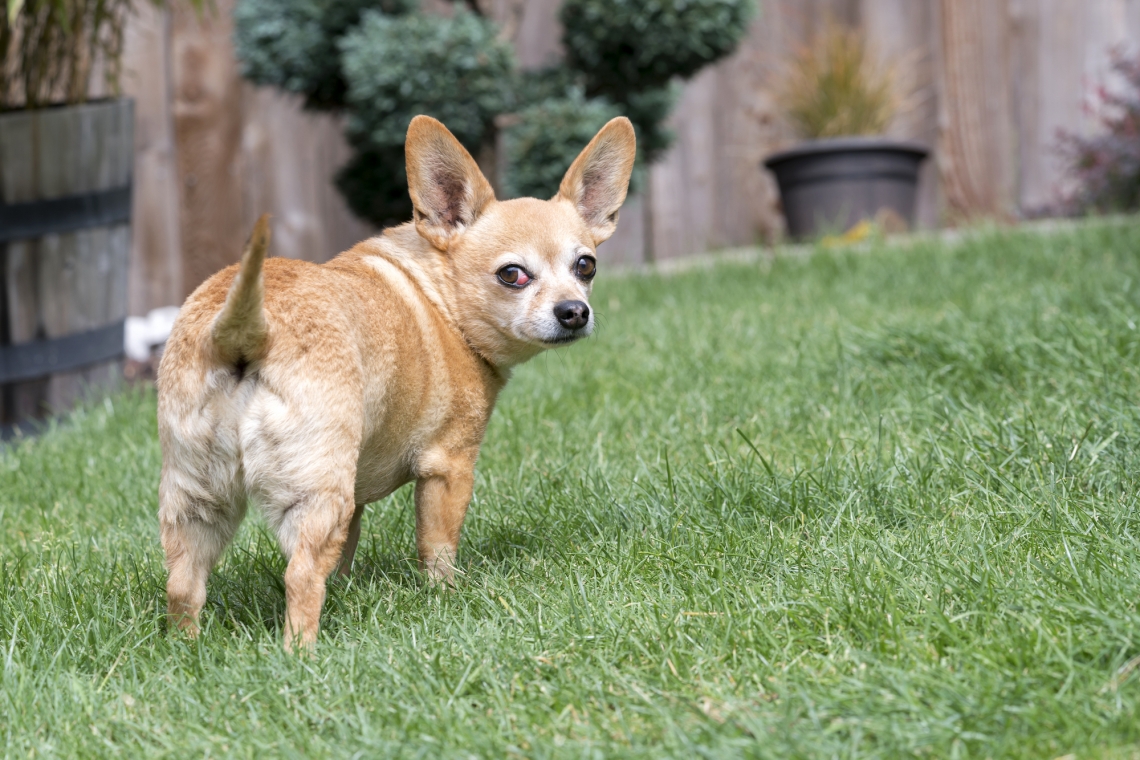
x=448 y=190
x=598 y=179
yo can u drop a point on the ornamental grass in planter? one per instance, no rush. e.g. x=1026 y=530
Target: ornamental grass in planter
x=65 y=197
x=846 y=171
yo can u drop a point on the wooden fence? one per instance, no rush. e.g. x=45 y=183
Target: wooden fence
x=994 y=81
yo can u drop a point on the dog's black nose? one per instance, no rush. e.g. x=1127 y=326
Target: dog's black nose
x=573 y=315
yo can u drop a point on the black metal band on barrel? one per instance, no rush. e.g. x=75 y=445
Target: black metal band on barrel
x=27 y=361
x=102 y=208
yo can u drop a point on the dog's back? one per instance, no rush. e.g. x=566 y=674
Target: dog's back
x=262 y=391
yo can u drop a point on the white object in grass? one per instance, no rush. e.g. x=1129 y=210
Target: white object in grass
x=144 y=333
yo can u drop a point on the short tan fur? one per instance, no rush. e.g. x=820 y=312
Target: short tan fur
x=312 y=390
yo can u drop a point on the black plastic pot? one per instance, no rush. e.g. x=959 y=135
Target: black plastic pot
x=831 y=185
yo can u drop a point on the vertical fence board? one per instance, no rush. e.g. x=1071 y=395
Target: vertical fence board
x=903 y=34
x=291 y=157
x=977 y=142
x=156 y=241
x=244 y=151
x=1062 y=56
x=208 y=115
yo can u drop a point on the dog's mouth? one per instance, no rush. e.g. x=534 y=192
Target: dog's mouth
x=564 y=339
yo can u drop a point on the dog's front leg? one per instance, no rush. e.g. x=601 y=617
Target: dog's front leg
x=441 y=505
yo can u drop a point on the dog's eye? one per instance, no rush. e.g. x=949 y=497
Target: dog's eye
x=515 y=276
x=586 y=267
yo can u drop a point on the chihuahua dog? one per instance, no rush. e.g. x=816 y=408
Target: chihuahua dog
x=312 y=390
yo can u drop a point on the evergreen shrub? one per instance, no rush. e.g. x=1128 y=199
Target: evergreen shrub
x=548 y=137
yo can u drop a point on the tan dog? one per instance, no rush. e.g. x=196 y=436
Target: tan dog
x=314 y=390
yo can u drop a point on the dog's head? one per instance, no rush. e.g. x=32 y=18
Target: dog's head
x=521 y=270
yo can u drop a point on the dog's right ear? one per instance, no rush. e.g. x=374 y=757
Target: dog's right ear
x=448 y=190
x=597 y=181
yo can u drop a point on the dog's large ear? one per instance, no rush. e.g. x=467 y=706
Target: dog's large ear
x=448 y=190
x=598 y=179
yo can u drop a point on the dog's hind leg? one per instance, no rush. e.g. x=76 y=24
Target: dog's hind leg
x=317 y=534
x=194 y=535
x=351 y=542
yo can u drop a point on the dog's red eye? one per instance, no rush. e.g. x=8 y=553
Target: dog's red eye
x=514 y=276
x=586 y=267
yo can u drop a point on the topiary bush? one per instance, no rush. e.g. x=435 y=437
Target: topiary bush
x=546 y=139
x=294 y=44
x=1107 y=166
x=381 y=62
x=374 y=184
x=631 y=51
x=632 y=45
x=395 y=67
x=453 y=69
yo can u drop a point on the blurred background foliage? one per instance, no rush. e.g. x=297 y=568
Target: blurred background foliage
x=632 y=51
x=293 y=44
x=381 y=62
x=1106 y=165
x=547 y=137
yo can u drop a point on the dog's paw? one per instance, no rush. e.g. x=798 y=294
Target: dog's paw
x=185 y=624
x=440 y=574
x=300 y=646
x=300 y=639
x=439 y=567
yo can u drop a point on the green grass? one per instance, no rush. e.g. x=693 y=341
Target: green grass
x=871 y=504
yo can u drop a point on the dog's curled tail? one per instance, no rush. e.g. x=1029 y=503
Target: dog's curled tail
x=240 y=332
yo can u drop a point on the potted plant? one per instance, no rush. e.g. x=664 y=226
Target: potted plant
x=846 y=171
x=65 y=198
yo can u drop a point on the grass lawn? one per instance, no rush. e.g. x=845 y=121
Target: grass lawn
x=854 y=504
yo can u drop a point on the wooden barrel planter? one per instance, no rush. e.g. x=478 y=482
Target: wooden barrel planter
x=65 y=202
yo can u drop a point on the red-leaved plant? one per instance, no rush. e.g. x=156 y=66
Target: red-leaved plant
x=1107 y=166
